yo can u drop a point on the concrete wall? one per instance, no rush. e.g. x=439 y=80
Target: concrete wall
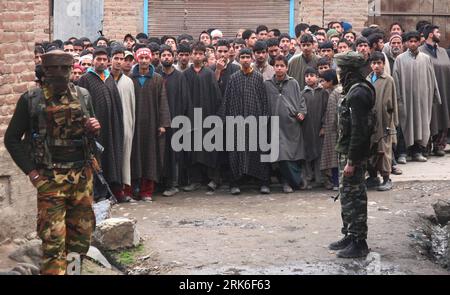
x=17 y=196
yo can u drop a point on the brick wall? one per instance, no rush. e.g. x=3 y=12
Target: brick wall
x=17 y=196
x=353 y=11
x=122 y=17
x=42 y=28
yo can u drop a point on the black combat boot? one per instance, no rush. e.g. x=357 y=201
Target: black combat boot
x=341 y=244
x=356 y=249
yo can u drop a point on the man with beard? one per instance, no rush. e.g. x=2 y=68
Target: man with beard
x=108 y=110
x=394 y=49
x=273 y=48
x=298 y=64
x=126 y=90
x=246 y=96
x=152 y=120
x=129 y=42
x=440 y=121
x=362 y=47
x=205 y=94
x=178 y=99
x=216 y=35
x=417 y=91
x=184 y=56
x=249 y=37
x=350 y=36
x=156 y=60
x=353 y=148
x=261 y=65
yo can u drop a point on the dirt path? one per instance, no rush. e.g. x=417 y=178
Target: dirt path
x=281 y=234
x=198 y=233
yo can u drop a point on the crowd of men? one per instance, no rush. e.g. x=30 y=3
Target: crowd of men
x=140 y=84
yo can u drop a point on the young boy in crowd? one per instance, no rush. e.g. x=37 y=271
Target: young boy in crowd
x=316 y=99
x=323 y=65
x=387 y=119
x=329 y=157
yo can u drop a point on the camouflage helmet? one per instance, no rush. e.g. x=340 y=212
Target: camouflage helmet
x=57 y=58
x=350 y=59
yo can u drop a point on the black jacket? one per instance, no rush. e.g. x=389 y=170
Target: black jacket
x=354 y=134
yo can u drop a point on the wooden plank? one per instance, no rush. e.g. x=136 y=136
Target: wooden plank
x=426 y=6
x=406 y=5
x=408 y=13
x=442 y=6
x=387 y=5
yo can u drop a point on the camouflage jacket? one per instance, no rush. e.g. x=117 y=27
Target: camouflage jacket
x=353 y=118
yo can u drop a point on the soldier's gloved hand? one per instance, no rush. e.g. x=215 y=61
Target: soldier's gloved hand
x=92 y=125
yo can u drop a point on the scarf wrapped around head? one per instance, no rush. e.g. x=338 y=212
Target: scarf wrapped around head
x=143 y=51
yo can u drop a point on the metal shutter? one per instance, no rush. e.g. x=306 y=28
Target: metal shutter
x=175 y=17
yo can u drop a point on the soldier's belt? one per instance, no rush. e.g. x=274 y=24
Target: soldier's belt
x=65 y=165
x=65 y=142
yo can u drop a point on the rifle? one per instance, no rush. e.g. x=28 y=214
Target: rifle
x=97 y=149
x=387 y=132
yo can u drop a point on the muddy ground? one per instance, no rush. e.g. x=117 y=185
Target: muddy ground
x=197 y=233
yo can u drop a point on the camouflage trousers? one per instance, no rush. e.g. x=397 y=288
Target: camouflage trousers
x=353 y=196
x=66 y=219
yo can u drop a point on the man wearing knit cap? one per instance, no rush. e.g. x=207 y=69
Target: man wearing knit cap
x=77 y=71
x=152 y=118
x=394 y=49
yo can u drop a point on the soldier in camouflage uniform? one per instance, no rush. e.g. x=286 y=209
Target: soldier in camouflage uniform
x=58 y=122
x=353 y=147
